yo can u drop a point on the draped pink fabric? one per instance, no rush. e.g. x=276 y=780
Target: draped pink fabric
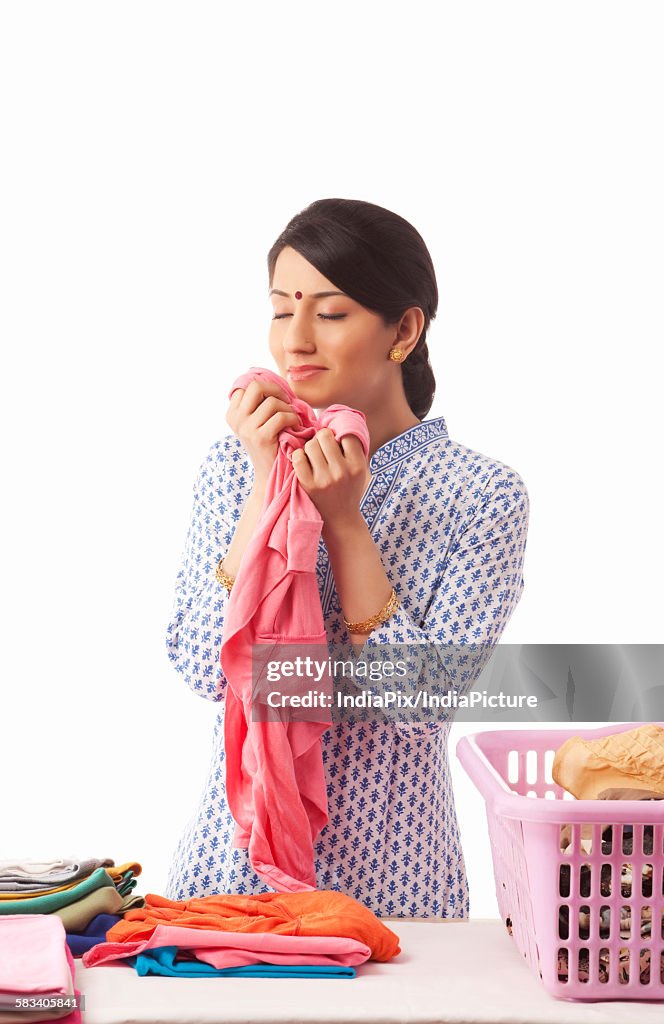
x=238 y=949
x=275 y=781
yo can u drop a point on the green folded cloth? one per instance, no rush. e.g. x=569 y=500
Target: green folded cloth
x=47 y=904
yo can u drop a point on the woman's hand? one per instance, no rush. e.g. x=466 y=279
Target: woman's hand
x=257 y=414
x=334 y=474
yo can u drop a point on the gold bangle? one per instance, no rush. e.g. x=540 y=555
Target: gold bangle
x=375 y=620
x=223 y=577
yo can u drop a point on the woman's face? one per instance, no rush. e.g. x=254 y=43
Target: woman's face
x=332 y=331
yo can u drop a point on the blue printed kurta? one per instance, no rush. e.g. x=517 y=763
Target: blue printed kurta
x=450 y=525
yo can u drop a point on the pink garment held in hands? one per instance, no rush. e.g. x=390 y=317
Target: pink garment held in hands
x=275 y=779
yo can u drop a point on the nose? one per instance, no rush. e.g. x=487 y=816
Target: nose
x=298 y=336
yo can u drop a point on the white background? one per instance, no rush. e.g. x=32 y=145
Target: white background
x=151 y=154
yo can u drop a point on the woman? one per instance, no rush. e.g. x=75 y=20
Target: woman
x=353 y=291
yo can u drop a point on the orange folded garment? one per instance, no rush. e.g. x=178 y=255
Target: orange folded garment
x=319 y=912
x=117 y=872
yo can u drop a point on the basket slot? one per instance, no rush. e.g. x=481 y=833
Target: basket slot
x=646 y=922
x=603 y=965
x=646 y=880
x=644 y=967
x=531 y=767
x=549 y=756
x=626 y=875
x=625 y=922
x=623 y=965
x=584 y=922
x=648 y=844
x=563 y=921
x=563 y=968
x=605 y=922
x=585 y=880
x=584 y=965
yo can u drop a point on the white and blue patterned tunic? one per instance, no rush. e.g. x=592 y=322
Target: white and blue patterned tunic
x=450 y=525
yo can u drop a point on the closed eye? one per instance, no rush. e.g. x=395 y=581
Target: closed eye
x=323 y=316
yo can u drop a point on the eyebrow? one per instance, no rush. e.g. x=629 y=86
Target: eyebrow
x=315 y=295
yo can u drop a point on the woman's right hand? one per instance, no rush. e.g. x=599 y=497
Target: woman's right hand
x=256 y=414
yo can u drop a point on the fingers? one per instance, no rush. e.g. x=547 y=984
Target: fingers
x=317 y=460
x=337 y=459
x=257 y=404
x=353 y=451
x=269 y=407
x=301 y=465
x=345 y=456
x=255 y=392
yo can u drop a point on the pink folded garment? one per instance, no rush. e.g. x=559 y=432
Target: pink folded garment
x=275 y=781
x=35 y=963
x=237 y=949
x=33 y=959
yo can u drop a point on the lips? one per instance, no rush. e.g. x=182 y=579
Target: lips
x=304 y=372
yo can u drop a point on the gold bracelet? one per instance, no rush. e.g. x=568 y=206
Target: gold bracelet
x=223 y=577
x=375 y=620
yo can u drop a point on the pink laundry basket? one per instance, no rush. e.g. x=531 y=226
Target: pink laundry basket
x=588 y=917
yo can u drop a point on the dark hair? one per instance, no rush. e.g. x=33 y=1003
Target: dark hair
x=381 y=261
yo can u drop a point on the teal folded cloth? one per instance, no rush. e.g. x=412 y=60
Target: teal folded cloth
x=161 y=960
x=56 y=900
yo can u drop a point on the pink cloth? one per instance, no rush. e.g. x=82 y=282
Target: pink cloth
x=237 y=949
x=275 y=781
x=35 y=962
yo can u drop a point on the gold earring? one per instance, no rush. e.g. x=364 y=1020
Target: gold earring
x=396 y=355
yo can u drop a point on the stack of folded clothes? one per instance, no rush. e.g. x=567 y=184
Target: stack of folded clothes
x=88 y=895
x=304 y=934
x=36 y=971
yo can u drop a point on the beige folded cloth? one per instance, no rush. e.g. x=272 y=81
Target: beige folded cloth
x=77 y=916
x=632 y=759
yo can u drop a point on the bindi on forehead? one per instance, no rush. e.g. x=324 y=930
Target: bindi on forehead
x=299 y=295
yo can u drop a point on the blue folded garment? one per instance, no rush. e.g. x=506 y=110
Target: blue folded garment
x=94 y=932
x=161 y=960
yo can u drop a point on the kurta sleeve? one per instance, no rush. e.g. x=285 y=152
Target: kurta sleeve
x=479 y=584
x=194 y=633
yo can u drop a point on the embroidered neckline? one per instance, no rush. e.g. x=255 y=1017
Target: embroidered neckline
x=406 y=443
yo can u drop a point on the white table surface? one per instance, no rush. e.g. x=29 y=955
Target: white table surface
x=457 y=972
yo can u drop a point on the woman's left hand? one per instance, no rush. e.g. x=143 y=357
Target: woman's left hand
x=334 y=474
